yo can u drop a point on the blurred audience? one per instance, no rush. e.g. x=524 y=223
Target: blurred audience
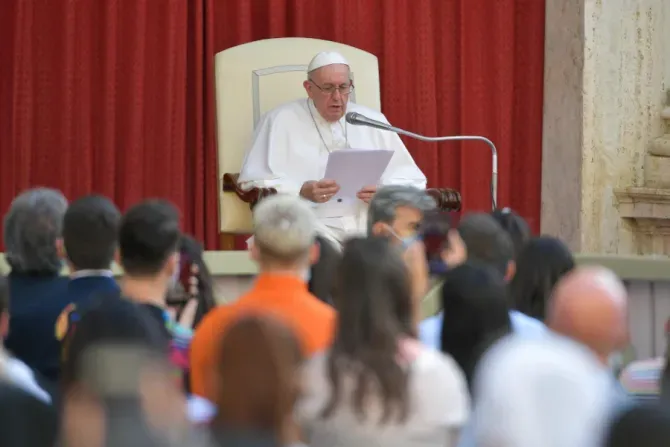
x=195 y=281
x=23 y=404
x=12 y=370
x=665 y=382
x=118 y=385
x=327 y=347
x=648 y=379
x=641 y=426
x=487 y=244
x=38 y=293
x=590 y=305
x=540 y=264
x=547 y=391
x=377 y=385
x=321 y=281
x=89 y=244
x=257 y=392
x=397 y=211
x=284 y=247
x=475 y=314
x=149 y=237
x=515 y=226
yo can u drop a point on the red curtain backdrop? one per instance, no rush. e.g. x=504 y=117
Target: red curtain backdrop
x=112 y=97
x=116 y=96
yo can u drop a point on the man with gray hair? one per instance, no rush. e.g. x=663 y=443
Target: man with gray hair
x=284 y=247
x=397 y=211
x=32 y=235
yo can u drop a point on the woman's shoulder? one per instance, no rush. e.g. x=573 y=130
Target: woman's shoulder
x=430 y=359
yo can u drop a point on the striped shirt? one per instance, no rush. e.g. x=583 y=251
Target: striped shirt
x=642 y=379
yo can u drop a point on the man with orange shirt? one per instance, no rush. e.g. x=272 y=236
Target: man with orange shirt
x=284 y=246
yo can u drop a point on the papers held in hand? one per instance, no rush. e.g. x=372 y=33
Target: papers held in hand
x=354 y=169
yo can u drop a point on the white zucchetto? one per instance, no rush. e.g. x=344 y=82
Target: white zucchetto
x=326 y=58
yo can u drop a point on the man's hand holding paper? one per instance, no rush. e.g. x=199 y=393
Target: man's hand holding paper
x=366 y=193
x=357 y=171
x=291 y=141
x=319 y=192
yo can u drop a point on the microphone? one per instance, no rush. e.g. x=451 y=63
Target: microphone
x=357 y=119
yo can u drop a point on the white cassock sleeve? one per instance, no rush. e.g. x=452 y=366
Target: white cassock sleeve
x=267 y=162
x=402 y=170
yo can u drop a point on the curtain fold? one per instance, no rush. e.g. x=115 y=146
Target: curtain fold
x=111 y=97
x=116 y=97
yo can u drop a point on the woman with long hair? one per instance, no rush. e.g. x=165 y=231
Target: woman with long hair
x=475 y=314
x=258 y=384
x=378 y=385
x=542 y=262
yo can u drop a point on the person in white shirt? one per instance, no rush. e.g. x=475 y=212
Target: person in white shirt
x=377 y=385
x=547 y=391
x=291 y=144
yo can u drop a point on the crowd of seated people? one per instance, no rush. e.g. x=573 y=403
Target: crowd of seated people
x=321 y=351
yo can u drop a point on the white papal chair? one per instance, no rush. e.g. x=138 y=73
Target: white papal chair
x=252 y=79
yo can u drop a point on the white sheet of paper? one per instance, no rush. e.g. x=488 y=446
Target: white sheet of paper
x=353 y=169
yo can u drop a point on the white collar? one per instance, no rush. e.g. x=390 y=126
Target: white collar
x=91 y=272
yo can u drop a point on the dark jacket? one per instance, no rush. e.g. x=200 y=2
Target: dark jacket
x=25 y=421
x=35 y=303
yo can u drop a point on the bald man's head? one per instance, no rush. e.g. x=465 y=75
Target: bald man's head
x=590 y=305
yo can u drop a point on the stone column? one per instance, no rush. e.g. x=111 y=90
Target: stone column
x=607 y=65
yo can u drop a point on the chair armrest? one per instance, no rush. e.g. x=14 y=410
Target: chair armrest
x=447 y=199
x=251 y=196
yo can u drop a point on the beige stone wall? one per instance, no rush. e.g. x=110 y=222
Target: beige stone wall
x=607 y=66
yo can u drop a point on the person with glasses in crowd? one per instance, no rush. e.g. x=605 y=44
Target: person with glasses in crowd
x=291 y=144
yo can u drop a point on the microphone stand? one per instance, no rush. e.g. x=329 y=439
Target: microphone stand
x=494 y=153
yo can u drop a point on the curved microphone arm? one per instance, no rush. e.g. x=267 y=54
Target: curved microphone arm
x=358 y=119
x=494 y=154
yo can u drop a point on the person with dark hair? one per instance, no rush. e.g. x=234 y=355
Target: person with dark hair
x=475 y=314
x=640 y=426
x=397 y=211
x=515 y=226
x=541 y=263
x=321 y=280
x=90 y=233
x=195 y=280
x=257 y=392
x=149 y=238
x=377 y=385
x=487 y=244
x=33 y=227
x=118 y=385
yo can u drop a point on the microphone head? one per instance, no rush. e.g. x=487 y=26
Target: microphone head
x=351 y=118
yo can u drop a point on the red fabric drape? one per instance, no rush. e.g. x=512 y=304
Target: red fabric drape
x=116 y=96
x=111 y=97
x=448 y=67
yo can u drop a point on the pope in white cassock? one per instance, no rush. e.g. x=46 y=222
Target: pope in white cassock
x=291 y=144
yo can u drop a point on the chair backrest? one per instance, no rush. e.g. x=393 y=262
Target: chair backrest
x=252 y=79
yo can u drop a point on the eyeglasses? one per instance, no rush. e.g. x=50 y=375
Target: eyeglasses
x=330 y=89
